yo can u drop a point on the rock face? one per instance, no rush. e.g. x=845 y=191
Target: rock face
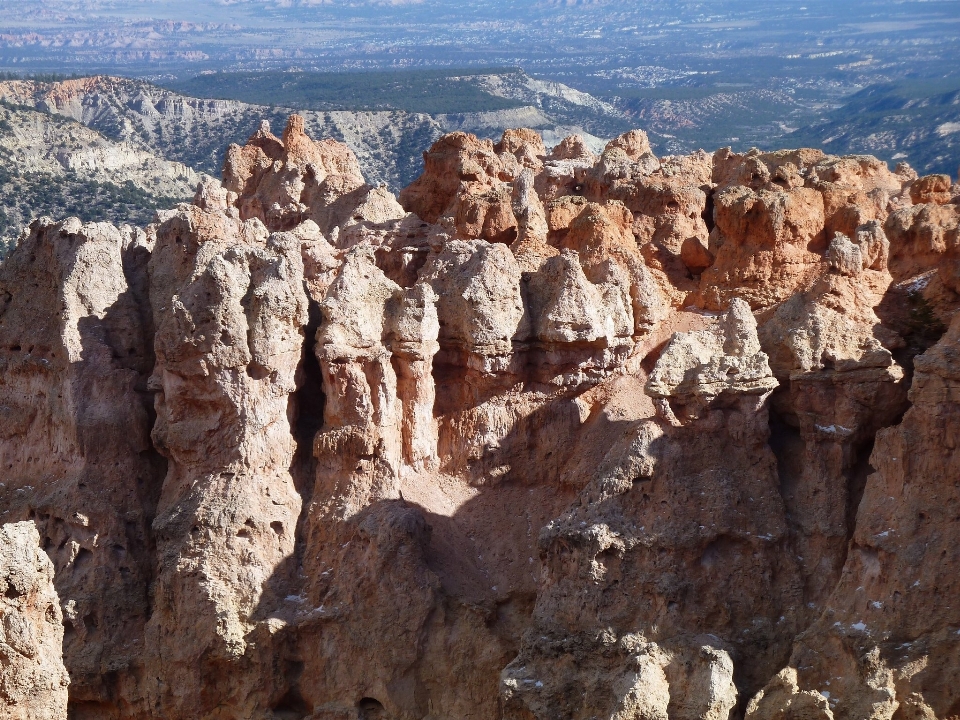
x=885 y=644
x=229 y=310
x=34 y=682
x=551 y=435
x=75 y=441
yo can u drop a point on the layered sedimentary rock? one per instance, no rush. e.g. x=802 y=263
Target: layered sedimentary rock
x=550 y=435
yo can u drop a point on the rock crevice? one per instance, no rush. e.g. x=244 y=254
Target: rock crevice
x=552 y=434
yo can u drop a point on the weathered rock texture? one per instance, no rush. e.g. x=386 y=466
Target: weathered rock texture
x=34 y=682
x=551 y=435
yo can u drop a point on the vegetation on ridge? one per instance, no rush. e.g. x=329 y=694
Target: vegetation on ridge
x=433 y=92
x=912 y=120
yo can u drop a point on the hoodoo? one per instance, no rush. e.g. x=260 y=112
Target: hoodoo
x=549 y=435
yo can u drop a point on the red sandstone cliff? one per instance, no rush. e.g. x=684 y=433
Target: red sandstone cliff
x=552 y=435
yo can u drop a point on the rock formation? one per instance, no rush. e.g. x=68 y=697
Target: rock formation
x=75 y=442
x=551 y=435
x=33 y=684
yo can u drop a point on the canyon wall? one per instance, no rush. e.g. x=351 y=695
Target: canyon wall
x=34 y=682
x=549 y=435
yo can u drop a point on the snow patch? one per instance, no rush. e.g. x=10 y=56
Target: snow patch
x=948 y=128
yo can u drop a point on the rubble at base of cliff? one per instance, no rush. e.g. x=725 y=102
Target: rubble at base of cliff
x=551 y=434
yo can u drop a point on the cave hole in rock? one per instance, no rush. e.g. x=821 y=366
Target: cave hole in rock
x=787 y=447
x=370 y=709
x=291 y=705
x=707 y=214
x=257 y=371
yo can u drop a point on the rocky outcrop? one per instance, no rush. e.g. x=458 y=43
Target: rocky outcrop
x=283 y=183
x=554 y=434
x=697 y=368
x=776 y=213
x=885 y=644
x=637 y=613
x=33 y=684
x=229 y=308
x=75 y=440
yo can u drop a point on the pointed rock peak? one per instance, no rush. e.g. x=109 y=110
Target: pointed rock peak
x=262 y=131
x=521 y=141
x=634 y=143
x=294 y=129
x=572 y=148
x=266 y=141
x=740 y=330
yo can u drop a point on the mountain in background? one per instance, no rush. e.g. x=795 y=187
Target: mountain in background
x=153 y=142
x=387 y=77
x=918 y=122
x=53 y=165
x=121 y=147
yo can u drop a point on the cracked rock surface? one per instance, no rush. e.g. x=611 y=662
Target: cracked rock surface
x=549 y=435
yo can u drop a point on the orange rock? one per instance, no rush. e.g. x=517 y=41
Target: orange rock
x=768 y=245
x=525 y=145
x=560 y=436
x=454 y=159
x=634 y=143
x=695 y=256
x=920 y=236
x=572 y=148
x=488 y=216
x=271 y=178
x=932 y=189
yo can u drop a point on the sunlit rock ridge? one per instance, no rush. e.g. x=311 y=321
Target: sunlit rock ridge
x=551 y=434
